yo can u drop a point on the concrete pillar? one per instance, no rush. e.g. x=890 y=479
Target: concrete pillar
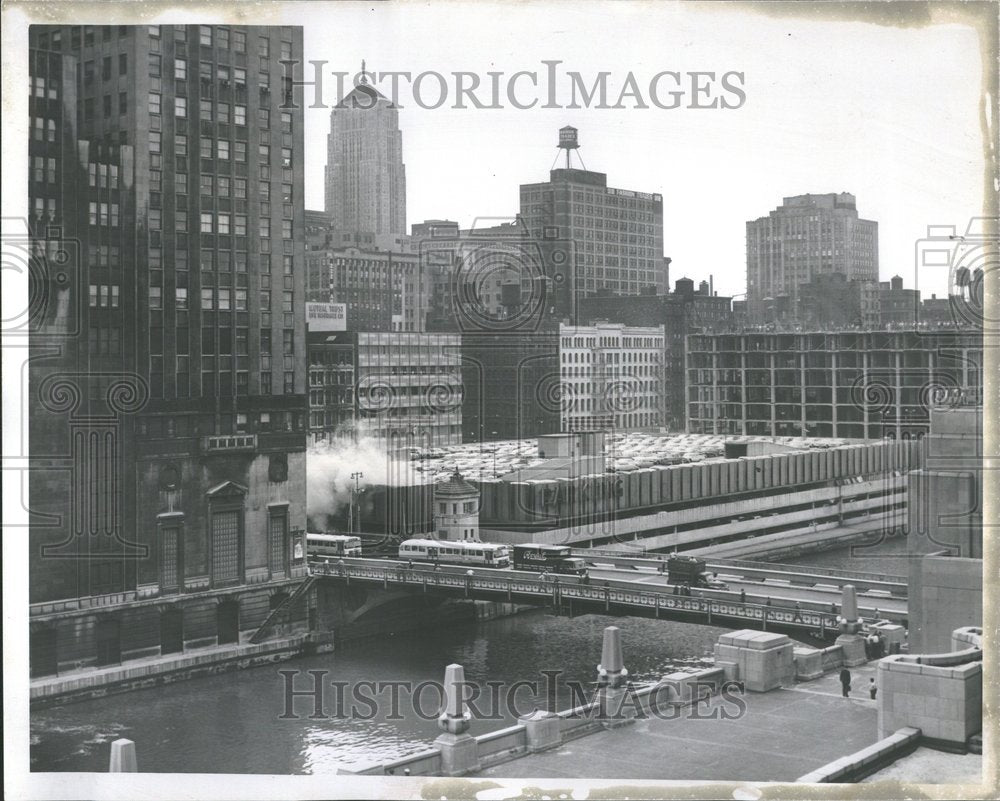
x=123 y=757
x=612 y=682
x=459 y=750
x=852 y=644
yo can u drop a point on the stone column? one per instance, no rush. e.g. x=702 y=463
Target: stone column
x=851 y=643
x=459 y=750
x=612 y=682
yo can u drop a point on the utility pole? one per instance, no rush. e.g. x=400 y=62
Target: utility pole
x=357 y=478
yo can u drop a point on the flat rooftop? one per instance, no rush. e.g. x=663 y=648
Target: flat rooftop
x=780 y=736
x=623 y=452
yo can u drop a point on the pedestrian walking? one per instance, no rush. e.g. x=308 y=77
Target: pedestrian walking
x=743 y=596
x=872 y=689
x=845 y=682
x=798 y=614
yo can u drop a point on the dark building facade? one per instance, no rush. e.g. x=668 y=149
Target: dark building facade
x=186 y=417
x=594 y=237
x=831 y=301
x=898 y=307
x=511 y=384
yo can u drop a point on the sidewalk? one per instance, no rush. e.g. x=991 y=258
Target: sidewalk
x=780 y=735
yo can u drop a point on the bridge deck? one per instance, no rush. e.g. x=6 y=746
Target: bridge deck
x=607 y=596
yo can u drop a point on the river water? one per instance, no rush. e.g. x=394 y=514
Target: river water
x=232 y=723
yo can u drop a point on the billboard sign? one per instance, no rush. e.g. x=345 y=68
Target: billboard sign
x=326 y=316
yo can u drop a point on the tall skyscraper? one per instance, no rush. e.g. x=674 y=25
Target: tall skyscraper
x=365 y=176
x=172 y=416
x=805 y=237
x=612 y=238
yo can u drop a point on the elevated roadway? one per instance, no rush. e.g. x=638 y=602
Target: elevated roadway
x=644 y=596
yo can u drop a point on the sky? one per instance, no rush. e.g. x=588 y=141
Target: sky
x=888 y=114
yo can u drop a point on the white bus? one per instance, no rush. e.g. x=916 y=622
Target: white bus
x=325 y=546
x=447 y=552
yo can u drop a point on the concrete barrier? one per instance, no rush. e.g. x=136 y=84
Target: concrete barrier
x=856 y=766
x=941 y=694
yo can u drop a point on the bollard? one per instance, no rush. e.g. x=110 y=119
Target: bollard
x=612 y=682
x=459 y=751
x=851 y=643
x=123 y=757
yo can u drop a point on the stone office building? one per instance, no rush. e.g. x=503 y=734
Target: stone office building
x=182 y=410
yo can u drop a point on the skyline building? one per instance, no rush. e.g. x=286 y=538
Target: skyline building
x=365 y=179
x=593 y=237
x=179 y=183
x=803 y=238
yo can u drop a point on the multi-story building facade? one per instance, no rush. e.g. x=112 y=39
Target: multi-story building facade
x=681 y=312
x=594 y=237
x=365 y=176
x=183 y=159
x=376 y=275
x=898 y=307
x=831 y=301
x=403 y=390
x=611 y=377
x=851 y=384
x=806 y=236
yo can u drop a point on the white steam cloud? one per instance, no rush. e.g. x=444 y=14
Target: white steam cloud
x=329 y=468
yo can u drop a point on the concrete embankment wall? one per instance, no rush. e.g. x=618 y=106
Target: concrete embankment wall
x=493 y=748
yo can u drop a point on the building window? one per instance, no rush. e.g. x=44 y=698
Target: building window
x=278 y=541
x=180 y=69
x=223 y=149
x=156 y=297
x=240 y=115
x=170 y=571
x=206 y=222
x=226 y=556
x=205 y=35
x=180 y=107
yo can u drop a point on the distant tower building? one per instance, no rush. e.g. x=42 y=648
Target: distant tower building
x=365 y=176
x=586 y=246
x=805 y=237
x=456 y=510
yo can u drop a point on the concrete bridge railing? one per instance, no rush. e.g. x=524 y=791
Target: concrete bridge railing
x=794 y=574
x=461 y=753
x=569 y=590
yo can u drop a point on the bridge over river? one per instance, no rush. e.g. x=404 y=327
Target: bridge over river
x=613 y=593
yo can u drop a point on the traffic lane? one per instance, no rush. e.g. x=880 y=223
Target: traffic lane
x=757 y=590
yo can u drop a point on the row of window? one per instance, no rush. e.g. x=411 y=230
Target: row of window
x=104 y=296
x=40 y=86
x=103 y=213
x=43 y=130
x=224 y=39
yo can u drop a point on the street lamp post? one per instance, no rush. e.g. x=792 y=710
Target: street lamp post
x=356 y=477
x=494 y=433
